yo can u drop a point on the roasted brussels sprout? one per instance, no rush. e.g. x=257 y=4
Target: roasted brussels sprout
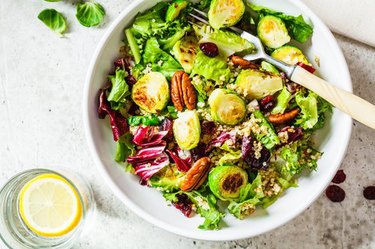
x=174 y=9
x=185 y=51
x=290 y=55
x=272 y=32
x=226 y=107
x=256 y=84
x=187 y=130
x=151 y=92
x=226 y=182
x=225 y=13
x=168 y=179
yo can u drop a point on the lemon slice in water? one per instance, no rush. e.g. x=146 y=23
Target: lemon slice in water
x=50 y=206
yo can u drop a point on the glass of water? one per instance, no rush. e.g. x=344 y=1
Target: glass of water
x=42 y=208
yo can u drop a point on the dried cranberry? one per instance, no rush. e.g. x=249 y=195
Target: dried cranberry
x=335 y=193
x=184 y=204
x=369 y=193
x=199 y=151
x=208 y=127
x=339 y=177
x=267 y=103
x=249 y=155
x=131 y=80
x=210 y=49
x=294 y=134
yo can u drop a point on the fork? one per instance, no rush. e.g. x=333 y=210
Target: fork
x=356 y=107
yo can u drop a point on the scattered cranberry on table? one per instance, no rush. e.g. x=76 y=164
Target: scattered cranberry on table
x=369 y=193
x=335 y=193
x=339 y=177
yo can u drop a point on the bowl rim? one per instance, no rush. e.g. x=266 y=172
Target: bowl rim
x=198 y=234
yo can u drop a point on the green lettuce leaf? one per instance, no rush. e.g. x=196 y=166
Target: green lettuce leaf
x=309 y=110
x=211 y=68
x=297 y=27
x=119 y=90
x=124 y=148
x=206 y=207
x=282 y=101
x=160 y=60
x=53 y=20
x=90 y=13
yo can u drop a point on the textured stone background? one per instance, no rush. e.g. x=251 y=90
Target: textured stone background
x=42 y=78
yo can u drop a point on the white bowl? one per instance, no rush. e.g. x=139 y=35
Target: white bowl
x=149 y=203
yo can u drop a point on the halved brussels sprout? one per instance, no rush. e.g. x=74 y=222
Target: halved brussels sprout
x=226 y=182
x=290 y=55
x=256 y=84
x=167 y=179
x=225 y=13
x=151 y=92
x=174 y=9
x=272 y=32
x=185 y=51
x=187 y=130
x=226 y=107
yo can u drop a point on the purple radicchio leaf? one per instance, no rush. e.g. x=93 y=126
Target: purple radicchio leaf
x=167 y=125
x=147 y=169
x=220 y=140
x=148 y=136
x=147 y=154
x=118 y=123
x=182 y=165
x=199 y=151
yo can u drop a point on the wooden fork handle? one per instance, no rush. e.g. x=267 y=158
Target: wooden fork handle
x=356 y=107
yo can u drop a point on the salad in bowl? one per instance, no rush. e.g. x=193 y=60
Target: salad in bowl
x=214 y=133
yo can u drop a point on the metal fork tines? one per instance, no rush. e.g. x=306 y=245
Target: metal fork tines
x=203 y=17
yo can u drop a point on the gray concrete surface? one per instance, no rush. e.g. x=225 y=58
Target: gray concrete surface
x=42 y=78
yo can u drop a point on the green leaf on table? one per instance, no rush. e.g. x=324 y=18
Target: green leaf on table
x=90 y=13
x=53 y=20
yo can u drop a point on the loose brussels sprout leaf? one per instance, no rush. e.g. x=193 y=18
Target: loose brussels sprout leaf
x=53 y=20
x=290 y=55
x=134 y=48
x=309 y=110
x=167 y=180
x=226 y=107
x=268 y=67
x=256 y=84
x=185 y=51
x=151 y=92
x=211 y=68
x=268 y=138
x=226 y=182
x=272 y=32
x=282 y=101
x=224 y=13
x=90 y=13
x=187 y=130
x=227 y=42
x=174 y=9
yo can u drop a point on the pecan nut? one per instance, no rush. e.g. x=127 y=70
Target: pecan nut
x=196 y=175
x=182 y=91
x=244 y=64
x=283 y=118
